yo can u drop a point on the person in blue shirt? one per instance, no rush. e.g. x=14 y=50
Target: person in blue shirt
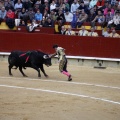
x=38 y=16
x=75 y=19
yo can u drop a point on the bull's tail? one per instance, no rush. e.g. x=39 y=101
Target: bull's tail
x=11 y=59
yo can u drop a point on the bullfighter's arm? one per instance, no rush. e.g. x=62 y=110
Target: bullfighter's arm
x=53 y=55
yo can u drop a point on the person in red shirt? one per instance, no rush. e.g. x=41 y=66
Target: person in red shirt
x=100 y=3
x=10 y=14
x=10 y=19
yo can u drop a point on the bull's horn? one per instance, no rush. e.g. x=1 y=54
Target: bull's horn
x=50 y=56
x=45 y=56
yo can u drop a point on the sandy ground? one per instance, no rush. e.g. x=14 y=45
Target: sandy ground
x=94 y=94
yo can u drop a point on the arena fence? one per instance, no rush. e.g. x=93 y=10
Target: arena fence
x=92 y=51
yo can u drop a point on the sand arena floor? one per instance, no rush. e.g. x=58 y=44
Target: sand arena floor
x=94 y=94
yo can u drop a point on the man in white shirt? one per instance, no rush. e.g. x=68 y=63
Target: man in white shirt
x=52 y=5
x=83 y=32
x=63 y=30
x=93 y=33
x=31 y=27
x=68 y=16
x=74 y=6
x=18 y=5
x=106 y=33
x=113 y=34
x=70 y=31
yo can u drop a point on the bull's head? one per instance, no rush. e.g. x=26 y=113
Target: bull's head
x=47 y=60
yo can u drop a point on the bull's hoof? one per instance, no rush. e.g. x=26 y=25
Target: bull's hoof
x=11 y=74
x=46 y=76
x=25 y=76
x=70 y=78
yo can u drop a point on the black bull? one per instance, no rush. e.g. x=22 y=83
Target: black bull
x=35 y=60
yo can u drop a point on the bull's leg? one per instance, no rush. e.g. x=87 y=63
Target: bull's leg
x=42 y=69
x=10 y=67
x=20 y=68
x=36 y=68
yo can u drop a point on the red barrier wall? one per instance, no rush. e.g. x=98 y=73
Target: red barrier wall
x=74 y=45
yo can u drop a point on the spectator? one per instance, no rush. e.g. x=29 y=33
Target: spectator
x=45 y=14
x=92 y=3
x=93 y=33
x=82 y=18
x=38 y=2
x=117 y=26
x=108 y=18
x=106 y=33
x=36 y=7
x=23 y=15
x=52 y=5
x=68 y=16
x=60 y=16
x=27 y=4
x=1 y=4
x=115 y=21
x=115 y=7
x=62 y=7
x=113 y=2
x=57 y=9
x=99 y=18
x=22 y=23
x=95 y=9
x=49 y=23
x=86 y=2
x=74 y=6
x=9 y=4
x=118 y=9
x=66 y=4
x=75 y=19
x=100 y=3
x=70 y=31
x=42 y=23
x=46 y=6
x=105 y=6
x=83 y=32
x=91 y=16
x=113 y=34
x=10 y=14
x=10 y=19
x=38 y=16
x=52 y=15
x=2 y=14
x=42 y=8
x=63 y=30
x=31 y=14
x=82 y=6
x=109 y=8
x=31 y=27
x=60 y=24
x=18 y=5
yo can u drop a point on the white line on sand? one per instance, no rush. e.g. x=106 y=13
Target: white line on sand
x=67 y=82
x=63 y=93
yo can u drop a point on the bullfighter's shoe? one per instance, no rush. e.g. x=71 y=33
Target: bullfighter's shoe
x=69 y=78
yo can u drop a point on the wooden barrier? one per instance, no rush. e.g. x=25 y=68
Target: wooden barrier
x=74 y=45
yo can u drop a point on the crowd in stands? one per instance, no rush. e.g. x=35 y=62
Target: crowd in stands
x=45 y=13
x=83 y=32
